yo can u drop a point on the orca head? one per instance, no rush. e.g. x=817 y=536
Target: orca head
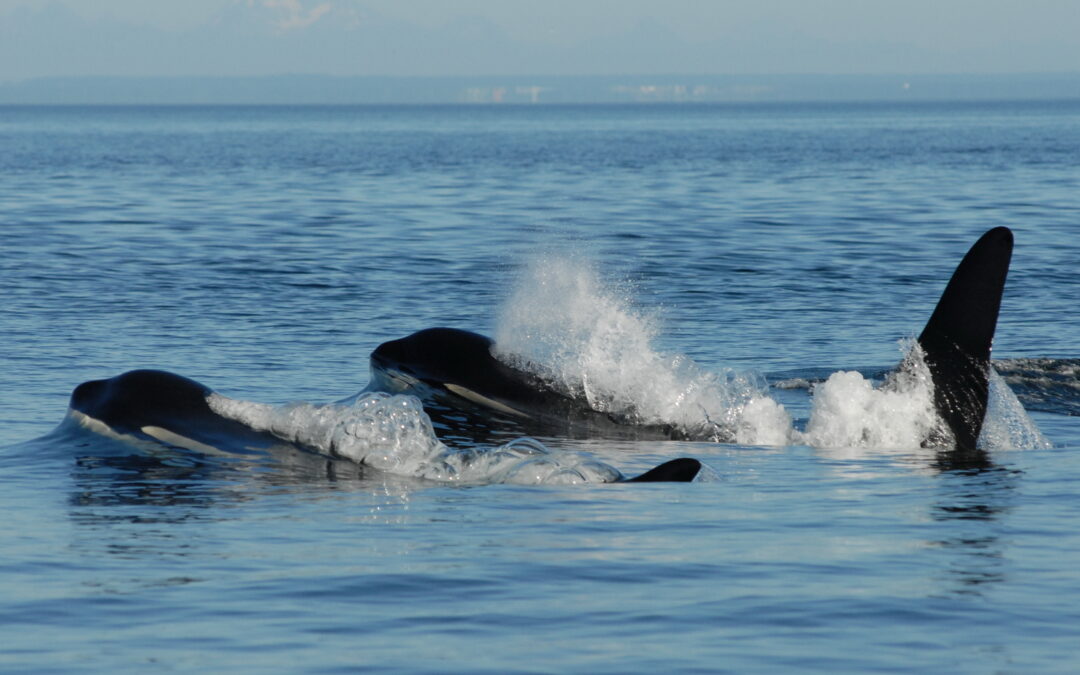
x=436 y=356
x=140 y=398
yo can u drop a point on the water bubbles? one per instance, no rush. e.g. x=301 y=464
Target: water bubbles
x=392 y=433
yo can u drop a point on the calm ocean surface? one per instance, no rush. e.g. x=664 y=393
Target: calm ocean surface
x=265 y=251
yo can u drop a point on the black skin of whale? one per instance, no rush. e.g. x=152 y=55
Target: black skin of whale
x=956 y=344
x=440 y=356
x=452 y=366
x=155 y=398
x=957 y=341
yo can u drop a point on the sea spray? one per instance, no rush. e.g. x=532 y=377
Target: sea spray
x=585 y=337
x=1007 y=425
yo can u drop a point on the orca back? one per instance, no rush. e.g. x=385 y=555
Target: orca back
x=681 y=470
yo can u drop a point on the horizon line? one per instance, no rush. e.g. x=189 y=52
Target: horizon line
x=326 y=89
x=1018 y=74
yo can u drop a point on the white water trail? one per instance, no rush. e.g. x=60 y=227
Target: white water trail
x=392 y=433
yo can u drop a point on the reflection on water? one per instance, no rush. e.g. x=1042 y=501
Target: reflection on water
x=972 y=503
x=963 y=460
x=971 y=498
x=137 y=506
x=164 y=491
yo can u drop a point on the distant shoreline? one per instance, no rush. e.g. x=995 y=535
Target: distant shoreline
x=538 y=90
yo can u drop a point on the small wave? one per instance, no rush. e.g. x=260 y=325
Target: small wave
x=1044 y=384
x=808 y=378
x=393 y=434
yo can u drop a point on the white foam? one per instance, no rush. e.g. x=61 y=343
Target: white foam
x=585 y=337
x=392 y=433
x=847 y=410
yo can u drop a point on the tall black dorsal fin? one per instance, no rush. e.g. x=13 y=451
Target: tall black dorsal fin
x=956 y=341
x=680 y=470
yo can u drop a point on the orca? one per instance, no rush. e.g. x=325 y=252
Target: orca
x=958 y=338
x=455 y=373
x=156 y=405
x=461 y=363
x=457 y=369
x=165 y=407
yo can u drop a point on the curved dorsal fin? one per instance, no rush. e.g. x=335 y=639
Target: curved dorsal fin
x=680 y=470
x=957 y=339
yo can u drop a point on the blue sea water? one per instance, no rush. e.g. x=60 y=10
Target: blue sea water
x=265 y=251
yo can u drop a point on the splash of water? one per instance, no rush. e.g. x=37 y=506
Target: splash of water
x=392 y=433
x=1007 y=425
x=847 y=410
x=583 y=336
x=586 y=338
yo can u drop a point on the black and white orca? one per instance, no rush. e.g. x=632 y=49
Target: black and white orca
x=457 y=369
x=159 y=406
x=164 y=407
x=455 y=373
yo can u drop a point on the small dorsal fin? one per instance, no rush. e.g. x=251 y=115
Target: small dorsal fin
x=682 y=470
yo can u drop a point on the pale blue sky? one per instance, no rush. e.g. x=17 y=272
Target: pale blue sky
x=553 y=37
